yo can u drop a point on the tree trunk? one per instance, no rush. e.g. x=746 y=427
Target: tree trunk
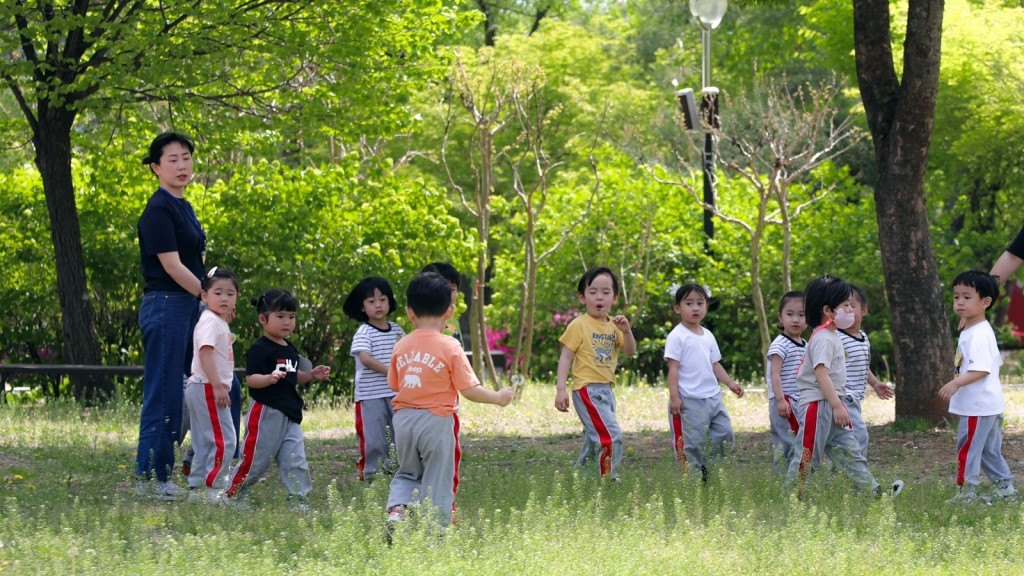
x=52 y=142
x=900 y=117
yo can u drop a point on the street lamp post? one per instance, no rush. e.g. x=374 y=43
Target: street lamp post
x=708 y=14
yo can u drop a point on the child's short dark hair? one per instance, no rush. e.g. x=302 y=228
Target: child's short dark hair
x=828 y=291
x=353 y=306
x=686 y=289
x=445 y=269
x=218 y=273
x=590 y=275
x=429 y=295
x=275 y=300
x=986 y=284
x=791 y=295
x=156 y=147
x=786 y=298
x=859 y=293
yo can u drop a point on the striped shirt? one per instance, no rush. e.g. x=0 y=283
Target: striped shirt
x=379 y=343
x=792 y=353
x=858 y=362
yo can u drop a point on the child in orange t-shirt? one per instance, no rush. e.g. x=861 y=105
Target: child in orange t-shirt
x=429 y=370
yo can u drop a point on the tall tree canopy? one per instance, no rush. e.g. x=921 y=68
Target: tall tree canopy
x=349 y=65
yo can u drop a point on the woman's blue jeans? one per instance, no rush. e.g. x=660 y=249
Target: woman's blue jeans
x=167 y=320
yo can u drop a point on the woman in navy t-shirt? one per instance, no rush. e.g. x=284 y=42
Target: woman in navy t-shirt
x=172 y=244
x=1011 y=259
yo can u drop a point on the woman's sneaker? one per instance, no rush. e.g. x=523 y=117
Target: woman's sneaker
x=168 y=492
x=165 y=491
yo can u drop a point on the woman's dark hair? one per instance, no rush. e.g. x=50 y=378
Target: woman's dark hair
x=986 y=284
x=275 y=300
x=218 y=273
x=429 y=294
x=590 y=275
x=450 y=273
x=686 y=289
x=156 y=148
x=828 y=291
x=353 y=306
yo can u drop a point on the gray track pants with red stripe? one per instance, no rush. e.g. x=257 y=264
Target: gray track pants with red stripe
x=428 y=461
x=602 y=440
x=375 y=431
x=819 y=435
x=269 y=434
x=213 y=438
x=979 y=442
x=701 y=433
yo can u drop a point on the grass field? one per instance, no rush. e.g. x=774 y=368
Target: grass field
x=66 y=504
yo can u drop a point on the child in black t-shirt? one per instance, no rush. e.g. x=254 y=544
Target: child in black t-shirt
x=272 y=427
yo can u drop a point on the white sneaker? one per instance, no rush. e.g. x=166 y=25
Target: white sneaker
x=298 y=505
x=168 y=492
x=897 y=488
x=963 y=496
x=1005 y=492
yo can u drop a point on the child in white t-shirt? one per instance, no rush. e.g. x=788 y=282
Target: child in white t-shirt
x=976 y=394
x=207 y=393
x=696 y=411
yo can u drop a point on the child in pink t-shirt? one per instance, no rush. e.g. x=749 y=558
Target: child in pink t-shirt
x=429 y=370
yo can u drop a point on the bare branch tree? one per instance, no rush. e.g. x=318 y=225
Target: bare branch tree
x=781 y=135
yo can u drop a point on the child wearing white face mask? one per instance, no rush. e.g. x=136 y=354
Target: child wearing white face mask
x=821 y=379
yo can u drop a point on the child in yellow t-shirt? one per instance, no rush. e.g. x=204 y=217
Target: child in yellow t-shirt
x=590 y=346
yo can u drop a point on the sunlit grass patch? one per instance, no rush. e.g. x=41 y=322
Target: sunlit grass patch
x=522 y=507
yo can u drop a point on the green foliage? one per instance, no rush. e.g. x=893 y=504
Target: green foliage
x=27 y=288
x=319 y=231
x=296 y=127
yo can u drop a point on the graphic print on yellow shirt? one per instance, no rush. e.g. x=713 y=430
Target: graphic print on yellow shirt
x=595 y=345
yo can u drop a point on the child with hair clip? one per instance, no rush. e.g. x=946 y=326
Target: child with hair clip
x=821 y=380
x=784 y=356
x=371 y=301
x=273 y=426
x=590 y=347
x=207 y=395
x=697 y=414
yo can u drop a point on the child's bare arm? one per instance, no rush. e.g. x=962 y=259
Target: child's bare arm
x=675 y=401
x=883 y=391
x=372 y=363
x=485 y=395
x=965 y=379
x=828 y=390
x=220 y=389
x=321 y=373
x=564 y=365
x=781 y=406
x=264 y=380
x=628 y=341
x=723 y=376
